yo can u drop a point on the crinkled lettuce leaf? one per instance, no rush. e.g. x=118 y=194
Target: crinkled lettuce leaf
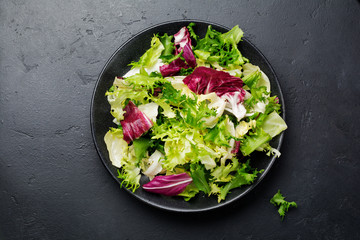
x=123 y=157
x=222 y=173
x=219 y=135
x=141 y=146
x=274 y=124
x=221 y=47
x=245 y=175
x=249 y=68
x=130 y=175
x=200 y=178
x=232 y=37
x=116 y=146
x=190 y=191
x=169 y=48
x=254 y=140
x=279 y=200
x=151 y=55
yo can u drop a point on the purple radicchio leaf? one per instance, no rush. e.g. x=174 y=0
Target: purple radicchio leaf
x=183 y=41
x=135 y=122
x=189 y=55
x=170 y=185
x=205 y=80
x=237 y=147
x=182 y=37
x=172 y=68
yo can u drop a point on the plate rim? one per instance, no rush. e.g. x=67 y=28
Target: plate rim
x=174 y=209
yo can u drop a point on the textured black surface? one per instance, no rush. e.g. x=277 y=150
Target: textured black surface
x=52 y=182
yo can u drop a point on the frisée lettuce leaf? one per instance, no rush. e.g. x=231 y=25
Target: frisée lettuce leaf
x=221 y=48
x=245 y=175
x=150 y=56
x=279 y=200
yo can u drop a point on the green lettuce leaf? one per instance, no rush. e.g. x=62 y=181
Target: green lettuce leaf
x=190 y=191
x=141 y=146
x=169 y=48
x=243 y=127
x=130 y=175
x=254 y=140
x=258 y=94
x=249 y=68
x=193 y=113
x=244 y=176
x=123 y=157
x=175 y=153
x=203 y=55
x=220 y=134
x=215 y=190
x=116 y=146
x=198 y=174
x=221 y=47
x=206 y=155
x=170 y=129
x=118 y=99
x=269 y=150
x=232 y=37
x=167 y=109
x=273 y=105
x=143 y=80
x=192 y=32
x=279 y=200
x=222 y=173
x=151 y=55
x=252 y=79
x=273 y=124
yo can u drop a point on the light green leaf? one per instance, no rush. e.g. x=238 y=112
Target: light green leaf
x=197 y=172
x=279 y=200
x=151 y=56
x=273 y=124
x=116 y=146
x=253 y=141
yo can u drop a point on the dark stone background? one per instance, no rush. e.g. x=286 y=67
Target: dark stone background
x=52 y=182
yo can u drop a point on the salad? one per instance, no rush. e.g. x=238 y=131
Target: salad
x=189 y=114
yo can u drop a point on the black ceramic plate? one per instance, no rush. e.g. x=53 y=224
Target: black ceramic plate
x=101 y=119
